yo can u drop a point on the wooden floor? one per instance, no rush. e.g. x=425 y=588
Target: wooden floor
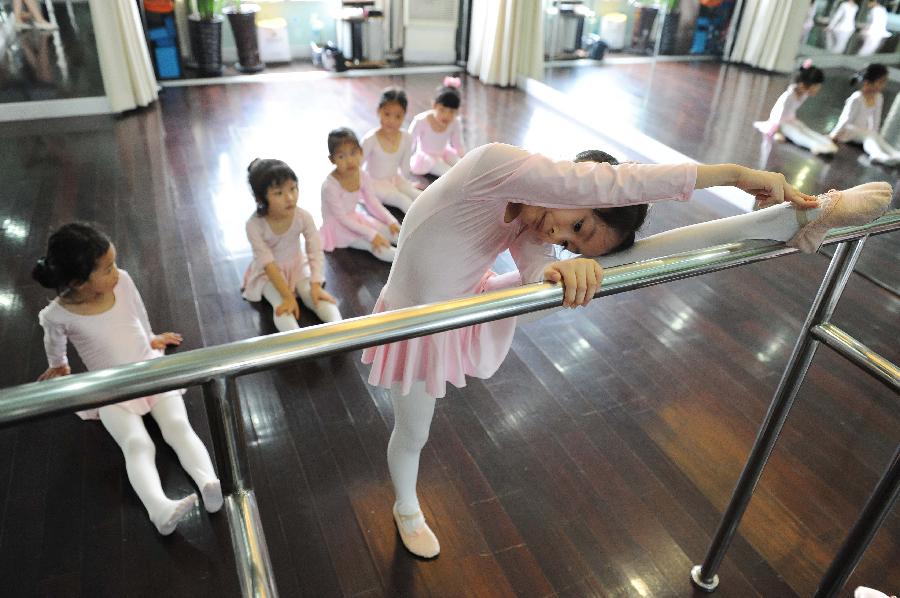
x=595 y=463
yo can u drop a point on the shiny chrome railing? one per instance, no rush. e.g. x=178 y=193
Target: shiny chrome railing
x=215 y=368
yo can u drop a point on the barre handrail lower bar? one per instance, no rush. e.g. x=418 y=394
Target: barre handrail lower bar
x=101 y=387
x=858 y=354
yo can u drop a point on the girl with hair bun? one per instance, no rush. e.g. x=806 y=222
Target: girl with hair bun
x=99 y=309
x=437 y=133
x=860 y=121
x=783 y=118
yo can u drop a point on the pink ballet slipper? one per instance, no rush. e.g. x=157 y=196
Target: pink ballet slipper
x=852 y=207
x=416 y=535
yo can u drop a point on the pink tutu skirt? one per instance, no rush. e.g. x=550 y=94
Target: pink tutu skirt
x=446 y=356
x=139 y=406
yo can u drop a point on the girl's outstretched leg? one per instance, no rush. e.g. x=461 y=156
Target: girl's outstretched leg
x=128 y=430
x=170 y=414
x=803 y=229
x=391 y=195
x=412 y=421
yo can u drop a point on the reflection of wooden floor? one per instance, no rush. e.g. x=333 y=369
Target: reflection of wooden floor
x=706 y=111
x=596 y=461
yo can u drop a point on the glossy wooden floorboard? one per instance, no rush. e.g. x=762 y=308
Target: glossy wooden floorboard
x=595 y=462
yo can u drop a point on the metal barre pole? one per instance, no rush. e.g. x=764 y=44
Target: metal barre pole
x=862 y=532
x=103 y=387
x=839 y=270
x=858 y=354
x=251 y=553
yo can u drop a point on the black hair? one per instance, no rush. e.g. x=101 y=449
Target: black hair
x=626 y=219
x=448 y=96
x=871 y=73
x=393 y=95
x=72 y=254
x=262 y=174
x=340 y=136
x=809 y=75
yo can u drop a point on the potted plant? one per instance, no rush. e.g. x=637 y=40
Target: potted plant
x=205 y=29
x=242 y=18
x=668 y=37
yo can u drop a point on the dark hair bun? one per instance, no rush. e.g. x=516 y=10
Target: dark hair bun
x=45 y=274
x=253 y=163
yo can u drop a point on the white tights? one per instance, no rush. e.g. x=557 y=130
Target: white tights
x=384 y=254
x=800 y=134
x=128 y=430
x=873 y=144
x=413 y=412
x=396 y=192
x=326 y=311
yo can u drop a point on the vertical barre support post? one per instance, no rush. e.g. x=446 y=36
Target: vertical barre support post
x=862 y=532
x=251 y=554
x=704 y=576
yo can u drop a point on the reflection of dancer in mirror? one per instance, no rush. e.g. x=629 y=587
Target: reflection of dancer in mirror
x=783 y=117
x=860 y=121
x=841 y=26
x=28 y=15
x=36 y=50
x=875 y=30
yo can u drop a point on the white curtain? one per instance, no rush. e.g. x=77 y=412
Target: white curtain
x=769 y=33
x=506 y=41
x=124 y=59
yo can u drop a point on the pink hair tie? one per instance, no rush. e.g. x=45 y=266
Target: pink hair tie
x=455 y=82
x=807 y=63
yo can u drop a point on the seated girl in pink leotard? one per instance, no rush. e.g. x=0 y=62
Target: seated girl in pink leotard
x=99 y=309
x=343 y=225
x=437 y=133
x=387 y=151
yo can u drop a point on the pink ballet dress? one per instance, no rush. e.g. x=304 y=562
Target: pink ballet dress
x=115 y=337
x=294 y=263
x=785 y=109
x=454 y=232
x=430 y=145
x=342 y=222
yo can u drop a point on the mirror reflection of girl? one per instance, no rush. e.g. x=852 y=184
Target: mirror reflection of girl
x=807 y=83
x=99 y=309
x=860 y=120
x=28 y=14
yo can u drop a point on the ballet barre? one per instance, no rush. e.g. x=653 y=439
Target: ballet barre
x=216 y=368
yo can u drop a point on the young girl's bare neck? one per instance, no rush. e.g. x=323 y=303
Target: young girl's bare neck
x=389 y=139
x=349 y=179
x=87 y=303
x=436 y=125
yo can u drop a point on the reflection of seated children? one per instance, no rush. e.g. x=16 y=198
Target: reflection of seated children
x=841 y=26
x=343 y=225
x=280 y=267
x=437 y=133
x=99 y=309
x=875 y=31
x=387 y=151
x=860 y=120
x=783 y=117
